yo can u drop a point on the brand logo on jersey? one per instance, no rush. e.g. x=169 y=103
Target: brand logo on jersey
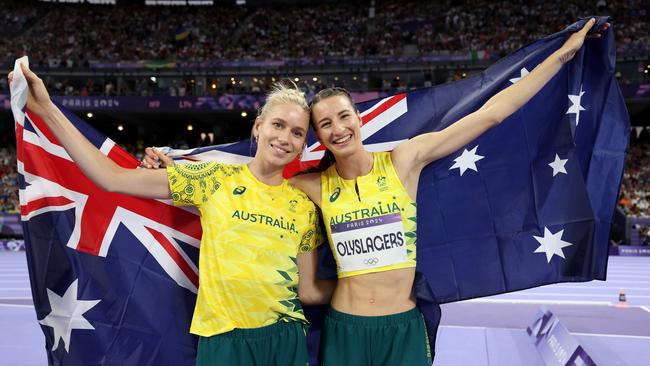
x=335 y=195
x=238 y=191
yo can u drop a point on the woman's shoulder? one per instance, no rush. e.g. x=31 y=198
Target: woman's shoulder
x=308 y=183
x=305 y=181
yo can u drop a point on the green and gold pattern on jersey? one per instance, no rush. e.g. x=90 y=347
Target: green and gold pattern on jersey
x=204 y=174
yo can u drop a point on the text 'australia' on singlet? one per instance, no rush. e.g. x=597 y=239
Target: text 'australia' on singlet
x=370 y=221
x=252 y=234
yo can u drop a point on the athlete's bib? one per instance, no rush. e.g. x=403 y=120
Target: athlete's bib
x=370 y=220
x=369 y=243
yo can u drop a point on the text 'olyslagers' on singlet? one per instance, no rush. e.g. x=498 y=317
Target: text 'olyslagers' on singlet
x=370 y=242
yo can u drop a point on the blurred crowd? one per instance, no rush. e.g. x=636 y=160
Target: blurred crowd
x=8 y=181
x=66 y=36
x=57 y=35
x=634 y=198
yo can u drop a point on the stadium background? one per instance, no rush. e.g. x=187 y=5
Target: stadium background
x=192 y=73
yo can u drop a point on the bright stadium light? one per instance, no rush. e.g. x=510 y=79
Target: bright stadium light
x=190 y=127
x=120 y=127
x=89 y=115
x=244 y=114
x=153 y=79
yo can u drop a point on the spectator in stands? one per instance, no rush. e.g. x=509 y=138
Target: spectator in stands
x=138 y=33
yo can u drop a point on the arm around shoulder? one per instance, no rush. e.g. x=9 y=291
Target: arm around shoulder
x=310 y=184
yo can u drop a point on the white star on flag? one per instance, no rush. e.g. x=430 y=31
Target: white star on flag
x=558 y=165
x=467 y=160
x=67 y=314
x=522 y=73
x=551 y=244
x=575 y=105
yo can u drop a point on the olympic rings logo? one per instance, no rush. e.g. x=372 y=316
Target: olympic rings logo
x=370 y=261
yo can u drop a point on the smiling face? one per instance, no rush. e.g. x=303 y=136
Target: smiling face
x=281 y=133
x=338 y=125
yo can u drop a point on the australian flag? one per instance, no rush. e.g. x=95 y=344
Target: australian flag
x=526 y=204
x=114 y=278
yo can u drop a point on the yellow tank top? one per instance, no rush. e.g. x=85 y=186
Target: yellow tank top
x=252 y=234
x=370 y=221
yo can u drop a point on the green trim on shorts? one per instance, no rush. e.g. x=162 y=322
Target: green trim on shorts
x=396 y=339
x=282 y=343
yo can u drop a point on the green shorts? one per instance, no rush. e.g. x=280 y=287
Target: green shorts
x=398 y=339
x=282 y=343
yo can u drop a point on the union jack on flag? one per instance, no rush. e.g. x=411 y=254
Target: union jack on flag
x=528 y=203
